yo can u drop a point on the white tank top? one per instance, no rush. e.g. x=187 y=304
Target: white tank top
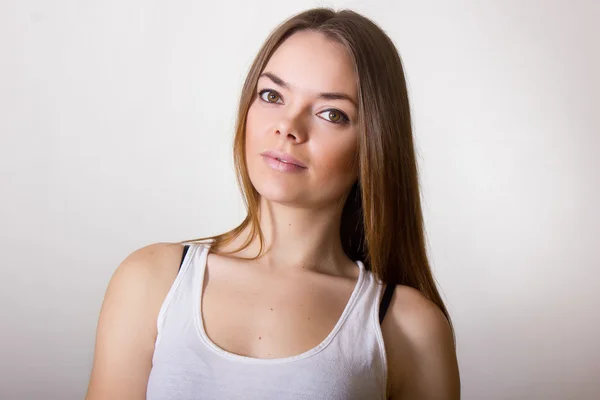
x=349 y=364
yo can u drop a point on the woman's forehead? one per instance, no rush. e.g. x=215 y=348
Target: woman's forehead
x=311 y=62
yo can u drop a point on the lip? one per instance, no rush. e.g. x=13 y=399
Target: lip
x=283 y=157
x=281 y=166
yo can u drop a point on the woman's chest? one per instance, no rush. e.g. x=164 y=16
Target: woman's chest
x=259 y=315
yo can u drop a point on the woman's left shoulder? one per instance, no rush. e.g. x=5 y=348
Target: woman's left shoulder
x=416 y=316
x=420 y=347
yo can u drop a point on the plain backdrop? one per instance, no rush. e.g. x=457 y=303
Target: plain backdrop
x=116 y=120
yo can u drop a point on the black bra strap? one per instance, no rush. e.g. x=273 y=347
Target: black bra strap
x=185 y=250
x=386 y=299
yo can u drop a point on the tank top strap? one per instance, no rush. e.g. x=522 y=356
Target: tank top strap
x=179 y=302
x=364 y=313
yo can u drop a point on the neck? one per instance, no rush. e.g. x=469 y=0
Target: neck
x=298 y=239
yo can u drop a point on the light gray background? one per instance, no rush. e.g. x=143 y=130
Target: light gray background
x=116 y=119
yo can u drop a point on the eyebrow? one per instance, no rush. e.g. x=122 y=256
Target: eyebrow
x=326 y=95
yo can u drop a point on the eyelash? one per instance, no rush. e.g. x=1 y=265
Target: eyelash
x=345 y=120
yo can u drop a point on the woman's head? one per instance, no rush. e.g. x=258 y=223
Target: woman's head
x=383 y=186
x=305 y=105
x=371 y=161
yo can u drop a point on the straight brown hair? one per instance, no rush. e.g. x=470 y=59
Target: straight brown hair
x=382 y=221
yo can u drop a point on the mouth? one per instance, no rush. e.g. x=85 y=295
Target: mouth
x=287 y=162
x=284 y=158
x=281 y=165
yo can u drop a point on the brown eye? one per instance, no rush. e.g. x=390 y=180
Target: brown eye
x=335 y=116
x=271 y=96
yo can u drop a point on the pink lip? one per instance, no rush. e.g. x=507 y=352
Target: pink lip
x=282 y=166
x=286 y=158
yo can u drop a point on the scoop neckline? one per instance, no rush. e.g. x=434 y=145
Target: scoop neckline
x=199 y=321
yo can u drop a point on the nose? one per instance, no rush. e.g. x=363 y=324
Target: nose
x=291 y=127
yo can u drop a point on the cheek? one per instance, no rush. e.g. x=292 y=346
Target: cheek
x=336 y=160
x=254 y=122
x=255 y=142
x=251 y=132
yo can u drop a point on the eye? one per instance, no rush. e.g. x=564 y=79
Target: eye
x=336 y=116
x=271 y=97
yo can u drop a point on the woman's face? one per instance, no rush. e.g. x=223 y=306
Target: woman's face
x=305 y=105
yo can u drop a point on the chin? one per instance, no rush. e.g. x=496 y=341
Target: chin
x=278 y=192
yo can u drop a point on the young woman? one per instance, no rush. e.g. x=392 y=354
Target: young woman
x=290 y=304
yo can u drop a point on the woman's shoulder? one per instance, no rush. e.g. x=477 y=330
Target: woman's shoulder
x=416 y=319
x=418 y=337
x=413 y=311
x=148 y=271
x=127 y=326
x=155 y=258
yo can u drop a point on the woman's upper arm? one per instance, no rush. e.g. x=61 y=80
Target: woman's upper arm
x=127 y=324
x=422 y=349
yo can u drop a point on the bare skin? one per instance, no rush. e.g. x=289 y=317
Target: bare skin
x=305 y=279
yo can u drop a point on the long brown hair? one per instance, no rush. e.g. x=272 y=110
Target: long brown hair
x=382 y=222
